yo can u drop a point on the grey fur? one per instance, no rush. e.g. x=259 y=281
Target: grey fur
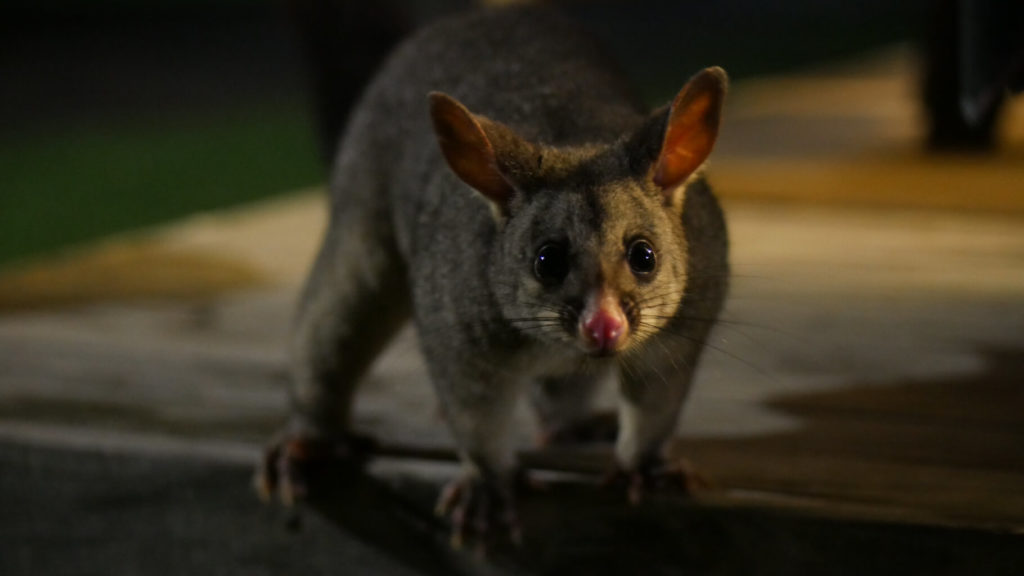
x=407 y=237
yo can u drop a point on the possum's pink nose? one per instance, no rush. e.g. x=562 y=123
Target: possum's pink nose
x=603 y=325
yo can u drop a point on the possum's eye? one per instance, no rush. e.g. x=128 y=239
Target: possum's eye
x=551 y=265
x=641 y=258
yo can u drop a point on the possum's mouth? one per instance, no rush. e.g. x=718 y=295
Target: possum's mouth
x=602 y=353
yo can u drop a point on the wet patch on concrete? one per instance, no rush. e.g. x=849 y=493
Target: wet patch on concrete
x=948 y=449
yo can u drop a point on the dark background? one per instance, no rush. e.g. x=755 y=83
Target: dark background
x=116 y=114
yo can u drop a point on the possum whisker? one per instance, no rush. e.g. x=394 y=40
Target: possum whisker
x=703 y=342
x=631 y=373
x=733 y=325
x=535 y=320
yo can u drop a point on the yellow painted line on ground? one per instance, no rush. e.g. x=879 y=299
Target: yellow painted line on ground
x=268 y=243
x=126 y=270
x=900 y=180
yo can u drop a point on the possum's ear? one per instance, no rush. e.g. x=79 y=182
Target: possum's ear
x=691 y=129
x=469 y=150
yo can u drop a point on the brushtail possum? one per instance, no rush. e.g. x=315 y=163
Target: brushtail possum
x=501 y=184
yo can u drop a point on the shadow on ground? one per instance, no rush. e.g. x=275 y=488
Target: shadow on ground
x=85 y=513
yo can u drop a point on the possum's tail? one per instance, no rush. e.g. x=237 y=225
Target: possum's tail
x=345 y=41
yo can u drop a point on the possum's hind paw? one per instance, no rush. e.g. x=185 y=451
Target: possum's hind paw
x=293 y=459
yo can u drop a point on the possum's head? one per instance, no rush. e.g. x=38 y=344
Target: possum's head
x=590 y=248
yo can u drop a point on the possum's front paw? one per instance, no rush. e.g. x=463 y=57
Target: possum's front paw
x=480 y=511
x=295 y=457
x=676 y=475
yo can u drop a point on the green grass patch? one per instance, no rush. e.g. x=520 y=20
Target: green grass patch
x=75 y=186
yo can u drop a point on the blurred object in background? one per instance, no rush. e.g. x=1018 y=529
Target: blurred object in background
x=973 y=60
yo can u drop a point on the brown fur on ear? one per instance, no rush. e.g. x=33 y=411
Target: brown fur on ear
x=691 y=129
x=468 y=150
